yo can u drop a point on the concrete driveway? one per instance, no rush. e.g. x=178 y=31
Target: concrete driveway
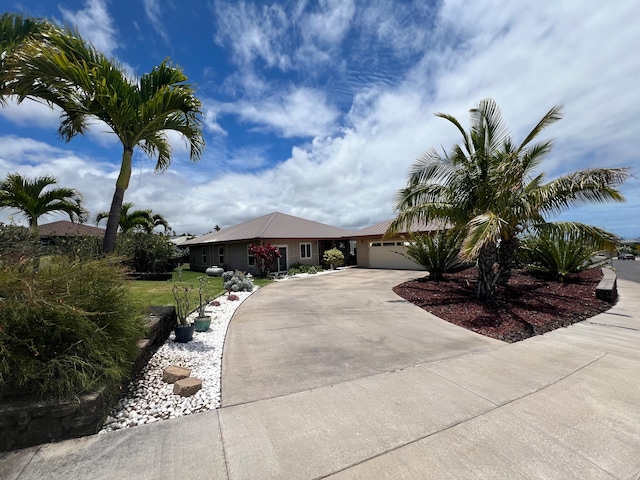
x=312 y=332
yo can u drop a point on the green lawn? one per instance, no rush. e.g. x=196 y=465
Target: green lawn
x=147 y=293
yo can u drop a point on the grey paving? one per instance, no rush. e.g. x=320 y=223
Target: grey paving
x=318 y=331
x=368 y=386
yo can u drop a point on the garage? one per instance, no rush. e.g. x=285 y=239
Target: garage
x=384 y=255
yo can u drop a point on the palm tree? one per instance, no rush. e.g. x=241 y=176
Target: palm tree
x=488 y=188
x=135 y=219
x=68 y=72
x=15 y=30
x=34 y=199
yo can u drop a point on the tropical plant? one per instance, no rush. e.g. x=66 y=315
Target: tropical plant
x=202 y=296
x=236 y=281
x=17 y=245
x=182 y=296
x=265 y=256
x=438 y=253
x=333 y=257
x=488 y=187
x=67 y=328
x=70 y=73
x=15 y=30
x=559 y=253
x=38 y=197
x=130 y=219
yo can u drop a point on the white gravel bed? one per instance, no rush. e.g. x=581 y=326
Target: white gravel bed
x=149 y=398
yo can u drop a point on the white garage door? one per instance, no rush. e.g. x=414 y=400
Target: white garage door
x=384 y=255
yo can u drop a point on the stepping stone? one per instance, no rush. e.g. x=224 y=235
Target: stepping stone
x=173 y=373
x=187 y=386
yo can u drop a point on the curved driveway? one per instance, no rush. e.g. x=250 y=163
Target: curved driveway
x=311 y=332
x=336 y=376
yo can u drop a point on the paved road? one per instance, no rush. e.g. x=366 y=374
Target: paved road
x=560 y=406
x=627 y=269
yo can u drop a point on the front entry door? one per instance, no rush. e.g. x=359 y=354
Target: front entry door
x=281 y=263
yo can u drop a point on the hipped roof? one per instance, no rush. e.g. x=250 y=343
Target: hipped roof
x=64 y=228
x=274 y=225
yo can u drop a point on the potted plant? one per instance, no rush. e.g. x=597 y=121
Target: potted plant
x=183 y=329
x=203 y=321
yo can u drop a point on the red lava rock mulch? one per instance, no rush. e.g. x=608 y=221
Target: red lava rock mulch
x=530 y=305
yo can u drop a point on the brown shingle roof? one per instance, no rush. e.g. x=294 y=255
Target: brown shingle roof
x=273 y=225
x=64 y=228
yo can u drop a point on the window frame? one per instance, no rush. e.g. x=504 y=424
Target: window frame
x=306 y=251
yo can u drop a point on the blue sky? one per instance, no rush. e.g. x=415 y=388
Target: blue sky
x=318 y=108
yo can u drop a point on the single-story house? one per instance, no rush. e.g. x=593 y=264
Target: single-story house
x=298 y=240
x=377 y=251
x=302 y=241
x=48 y=232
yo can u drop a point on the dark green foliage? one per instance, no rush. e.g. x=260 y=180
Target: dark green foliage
x=301 y=268
x=559 y=253
x=17 y=243
x=439 y=253
x=65 y=329
x=76 y=247
x=145 y=252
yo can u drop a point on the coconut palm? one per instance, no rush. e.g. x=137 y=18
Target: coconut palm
x=135 y=219
x=488 y=187
x=68 y=72
x=35 y=198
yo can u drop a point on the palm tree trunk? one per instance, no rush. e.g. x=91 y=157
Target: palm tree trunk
x=507 y=258
x=487 y=274
x=109 y=241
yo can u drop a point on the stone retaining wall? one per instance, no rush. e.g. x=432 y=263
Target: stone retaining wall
x=27 y=421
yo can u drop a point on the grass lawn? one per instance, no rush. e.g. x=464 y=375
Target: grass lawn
x=148 y=293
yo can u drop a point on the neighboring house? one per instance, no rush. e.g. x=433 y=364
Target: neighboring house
x=48 y=232
x=374 y=250
x=299 y=241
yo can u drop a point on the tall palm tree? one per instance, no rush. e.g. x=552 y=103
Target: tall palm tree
x=68 y=72
x=488 y=187
x=34 y=198
x=15 y=30
x=135 y=219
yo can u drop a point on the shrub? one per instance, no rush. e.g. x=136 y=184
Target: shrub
x=145 y=252
x=236 y=281
x=17 y=244
x=66 y=329
x=265 y=257
x=76 y=247
x=437 y=253
x=559 y=254
x=333 y=257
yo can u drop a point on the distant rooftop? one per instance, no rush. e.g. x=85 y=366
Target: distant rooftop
x=64 y=228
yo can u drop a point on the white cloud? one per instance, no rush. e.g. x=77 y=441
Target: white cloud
x=94 y=24
x=152 y=9
x=31 y=113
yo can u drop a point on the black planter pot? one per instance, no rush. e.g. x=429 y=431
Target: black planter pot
x=184 y=333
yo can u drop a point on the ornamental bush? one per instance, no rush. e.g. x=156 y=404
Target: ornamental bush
x=66 y=329
x=146 y=252
x=438 y=253
x=236 y=281
x=333 y=257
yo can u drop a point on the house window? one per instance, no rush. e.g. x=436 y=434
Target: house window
x=220 y=256
x=305 y=250
x=251 y=259
x=204 y=255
